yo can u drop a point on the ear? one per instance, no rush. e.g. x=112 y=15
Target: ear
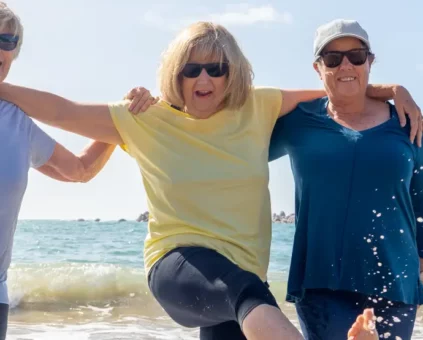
x=316 y=67
x=371 y=59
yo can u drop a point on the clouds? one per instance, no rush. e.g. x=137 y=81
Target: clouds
x=232 y=15
x=244 y=15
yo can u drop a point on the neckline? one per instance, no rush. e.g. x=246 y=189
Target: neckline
x=179 y=112
x=392 y=117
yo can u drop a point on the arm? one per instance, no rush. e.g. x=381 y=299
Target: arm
x=404 y=104
x=291 y=98
x=89 y=120
x=65 y=166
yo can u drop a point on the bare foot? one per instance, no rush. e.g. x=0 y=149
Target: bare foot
x=364 y=327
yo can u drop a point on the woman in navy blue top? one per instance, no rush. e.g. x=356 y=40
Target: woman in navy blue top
x=359 y=198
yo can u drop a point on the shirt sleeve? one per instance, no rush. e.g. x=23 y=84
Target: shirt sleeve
x=41 y=144
x=277 y=147
x=269 y=100
x=125 y=123
x=416 y=192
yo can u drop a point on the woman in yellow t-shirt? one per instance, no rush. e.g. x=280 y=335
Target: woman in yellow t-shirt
x=203 y=154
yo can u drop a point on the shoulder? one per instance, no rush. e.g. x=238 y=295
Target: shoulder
x=316 y=106
x=264 y=101
x=121 y=108
x=10 y=109
x=265 y=92
x=13 y=116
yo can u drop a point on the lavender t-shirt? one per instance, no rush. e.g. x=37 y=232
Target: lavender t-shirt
x=22 y=145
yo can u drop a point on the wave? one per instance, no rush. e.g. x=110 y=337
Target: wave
x=68 y=285
x=75 y=284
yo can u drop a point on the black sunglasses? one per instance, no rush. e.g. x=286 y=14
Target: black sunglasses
x=356 y=57
x=8 y=42
x=193 y=70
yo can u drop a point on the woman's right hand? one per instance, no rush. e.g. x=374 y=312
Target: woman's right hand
x=141 y=99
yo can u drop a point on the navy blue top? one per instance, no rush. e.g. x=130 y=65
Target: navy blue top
x=358 y=199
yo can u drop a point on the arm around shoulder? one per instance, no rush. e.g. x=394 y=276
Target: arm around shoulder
x=291 y=98
x=89 y=120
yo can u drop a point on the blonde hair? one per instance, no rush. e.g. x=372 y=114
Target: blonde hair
x=11 y=22
x=210 y=40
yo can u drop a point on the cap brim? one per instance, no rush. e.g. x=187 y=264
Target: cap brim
x=344 y=35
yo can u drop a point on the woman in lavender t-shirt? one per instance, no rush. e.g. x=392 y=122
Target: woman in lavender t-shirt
x=23 y=145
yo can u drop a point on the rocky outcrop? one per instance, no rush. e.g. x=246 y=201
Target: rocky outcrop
x=283 y=218
x=143 y=217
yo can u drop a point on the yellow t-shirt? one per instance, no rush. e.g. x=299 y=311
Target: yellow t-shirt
x=206 y=179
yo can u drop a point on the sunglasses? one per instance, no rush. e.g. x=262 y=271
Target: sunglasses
x=192 y=70
x=356 y=57
x=8 y=42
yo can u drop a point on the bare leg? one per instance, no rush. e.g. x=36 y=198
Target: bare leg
x=364 y=328
x=266 y=322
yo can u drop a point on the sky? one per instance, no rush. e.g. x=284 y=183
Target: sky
x=97 y=50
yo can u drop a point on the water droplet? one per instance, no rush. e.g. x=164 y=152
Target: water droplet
x=378 y=215
x=382 y=237
x=393 y=197
x=420 y=219
x=369 y=240
x=396 y=319
x=379 y=264
x=401 y=231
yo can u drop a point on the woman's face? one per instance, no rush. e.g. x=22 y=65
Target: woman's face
x=204 y=94
x=346 y=79
x=6 y=57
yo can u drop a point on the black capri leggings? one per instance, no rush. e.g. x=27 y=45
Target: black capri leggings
x=198 y=287
x=4 y=312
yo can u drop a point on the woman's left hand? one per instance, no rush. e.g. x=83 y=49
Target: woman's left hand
x=405 y=104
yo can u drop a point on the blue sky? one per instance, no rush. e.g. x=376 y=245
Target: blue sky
x=96 y=50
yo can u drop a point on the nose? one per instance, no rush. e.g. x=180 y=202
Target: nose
x=203 y=77
x=345 y=64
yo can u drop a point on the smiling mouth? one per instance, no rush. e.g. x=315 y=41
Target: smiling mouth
x=203 y=94
x=346 y=79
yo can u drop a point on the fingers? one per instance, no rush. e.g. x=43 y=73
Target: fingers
x=149 y=101
x=131 y=94
x=415 y=121
x=401 y=114
x=369 y=319
x=141 y=100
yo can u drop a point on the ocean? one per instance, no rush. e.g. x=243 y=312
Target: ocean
x=85 y=281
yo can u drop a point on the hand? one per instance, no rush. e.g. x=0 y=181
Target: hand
x=405 y=104
x=141 y=100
